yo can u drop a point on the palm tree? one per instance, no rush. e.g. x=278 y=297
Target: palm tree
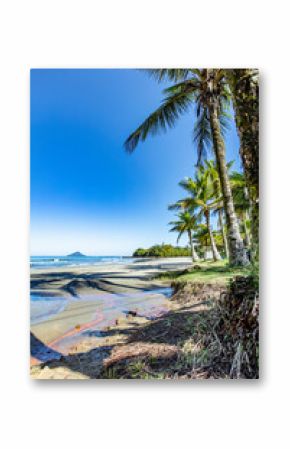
x=201 y=235
x=244 y=84
x=185 y=223
x=207 y=90
x=201 y=197
x=214 y=176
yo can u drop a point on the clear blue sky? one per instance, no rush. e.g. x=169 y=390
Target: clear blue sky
x=87 y=194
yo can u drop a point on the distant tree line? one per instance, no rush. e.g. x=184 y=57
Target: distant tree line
x=164 y=250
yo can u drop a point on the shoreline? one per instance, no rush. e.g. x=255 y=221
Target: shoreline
x=186 y=341
x=98 y=298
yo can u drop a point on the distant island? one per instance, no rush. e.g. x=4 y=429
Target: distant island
x=76 y=254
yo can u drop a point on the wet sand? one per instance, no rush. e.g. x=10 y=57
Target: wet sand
x=96 y=297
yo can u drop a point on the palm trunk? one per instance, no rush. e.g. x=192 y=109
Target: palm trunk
x=237 y=252
x=216 y=255
x=222 y=228
x=245 y=88
x=247 y=235
x=194 y=254
x=206 y=245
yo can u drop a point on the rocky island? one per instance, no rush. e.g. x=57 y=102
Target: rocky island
x=76 y=254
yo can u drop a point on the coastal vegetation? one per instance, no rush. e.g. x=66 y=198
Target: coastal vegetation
x=186 y=223
x=208 y=95
x=205 y=199
x=197 y=212
x=164 y=250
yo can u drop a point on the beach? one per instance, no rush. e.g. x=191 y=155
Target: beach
x=72 y=307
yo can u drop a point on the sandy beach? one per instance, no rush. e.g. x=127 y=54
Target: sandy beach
x=79 y=303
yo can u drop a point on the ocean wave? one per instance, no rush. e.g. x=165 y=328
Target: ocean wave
x=59 y=261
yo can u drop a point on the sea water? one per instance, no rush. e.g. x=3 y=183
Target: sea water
x=149 y=303
x=71 y=261
x=43 y=307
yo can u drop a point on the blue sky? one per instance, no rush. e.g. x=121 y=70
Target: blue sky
x=87 y=193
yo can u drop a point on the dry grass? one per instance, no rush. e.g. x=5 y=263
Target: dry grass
x=199 y=340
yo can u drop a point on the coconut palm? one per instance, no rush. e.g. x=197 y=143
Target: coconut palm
x=214 y=176
x=201 y=235
x=244 y=84
x=185 y=223
x=201 y=198
x=206 y=92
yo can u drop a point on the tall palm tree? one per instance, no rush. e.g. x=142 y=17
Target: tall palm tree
x=185 y=223
x=206 y=92
x=214 y=176
x=201 y=197
x=244 y=85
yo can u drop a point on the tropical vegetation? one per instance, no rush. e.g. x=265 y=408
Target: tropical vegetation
x=208 y=95
x=186 y=223
x=219 y=210
x=201 y=199
x=163 y=250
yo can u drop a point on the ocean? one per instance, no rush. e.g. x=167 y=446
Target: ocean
x=71 y=261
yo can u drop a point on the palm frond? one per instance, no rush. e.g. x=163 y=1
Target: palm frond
x=239 y=190
x=189 y=203
x=217 y=203
x=175 y=206
x=200 y=215
x=168 y=74
x=164 y=117
x=188 y=184
x=237 y=179
x=186 y=86
x=202 y=137
x=179 y=236
x=225 y=123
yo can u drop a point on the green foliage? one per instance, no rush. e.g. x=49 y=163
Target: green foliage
x=202 y=135
x=164 y=250
x=168 y=74
x=191 y=93
x=186 y=223
x=207 y=93
x=240 y=192
x=202 y=193
x=255 y=274
x=140 y=252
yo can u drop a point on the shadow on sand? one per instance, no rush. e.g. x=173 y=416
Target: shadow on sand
x=169 y=331
x=73 y=283
x=40 y=351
